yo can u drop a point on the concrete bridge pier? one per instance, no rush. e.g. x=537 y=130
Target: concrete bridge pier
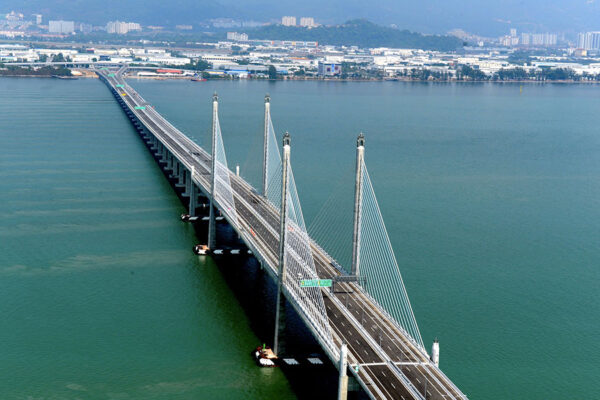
x=159 y=151
x=193 y=203
x=180 y=174
x=163 y=154
x=169 y=166
x=188 y=183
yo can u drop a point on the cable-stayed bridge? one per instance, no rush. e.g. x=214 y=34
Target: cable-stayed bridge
x=364 y=322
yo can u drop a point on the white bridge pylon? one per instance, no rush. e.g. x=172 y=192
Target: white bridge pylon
x=299 y=260
x=373 y=257
x=223 y=193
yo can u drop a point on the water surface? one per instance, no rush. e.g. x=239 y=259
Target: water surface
x=490 y=198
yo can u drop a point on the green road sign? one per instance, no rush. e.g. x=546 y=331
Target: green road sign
x=140 y=107
x=120 y=86
x=315 y=283
x=111 y=75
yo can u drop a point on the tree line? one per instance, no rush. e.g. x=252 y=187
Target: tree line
x=468 y=73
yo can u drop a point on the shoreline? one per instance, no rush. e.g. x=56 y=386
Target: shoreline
x=187 y=78
x=176 y=78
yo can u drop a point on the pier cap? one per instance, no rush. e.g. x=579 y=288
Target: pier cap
x=360 y=141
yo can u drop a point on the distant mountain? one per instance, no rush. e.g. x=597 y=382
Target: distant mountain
x=360 y=33
x=146 y=12
x=430 y=16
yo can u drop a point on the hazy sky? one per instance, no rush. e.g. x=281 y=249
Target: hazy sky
x=430 y=16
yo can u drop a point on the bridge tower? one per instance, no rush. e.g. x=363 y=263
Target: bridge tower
x=211 y=221
x=360 y=155
x=265 y=176
x=280 y=311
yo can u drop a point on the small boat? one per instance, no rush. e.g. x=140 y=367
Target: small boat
x=264 y=357
x=188 y=218
x=198 y=78
x=201 y=249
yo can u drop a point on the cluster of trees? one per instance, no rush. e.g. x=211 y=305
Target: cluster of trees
x=426 y=75
x=12 y=70
x=359 y=71
x=360 y=33
x=195 y=65
x=467 y=73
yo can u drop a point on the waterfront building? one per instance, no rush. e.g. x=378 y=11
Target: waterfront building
x=329 y=69
x=288 y=21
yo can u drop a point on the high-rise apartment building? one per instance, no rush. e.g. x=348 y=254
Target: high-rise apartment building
x=288 y=21
x=308 y=22
x=539 y=39
x=61 y=26
x=122 y=28
x=589 y=41
x=240 y=37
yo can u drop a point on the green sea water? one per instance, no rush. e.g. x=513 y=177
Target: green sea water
x=490 y=196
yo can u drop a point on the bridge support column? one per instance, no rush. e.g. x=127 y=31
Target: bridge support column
x=193 y=204
x=180 y=174
x=343 y=377
x=188 y=183
x=280 y=311
x=360 y=155
x=164 y=152
x=212 y=224
x=265 y=176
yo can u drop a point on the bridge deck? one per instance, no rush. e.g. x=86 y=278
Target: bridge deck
x=391 y=365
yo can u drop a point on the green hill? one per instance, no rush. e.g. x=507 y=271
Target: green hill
x=360 y=33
